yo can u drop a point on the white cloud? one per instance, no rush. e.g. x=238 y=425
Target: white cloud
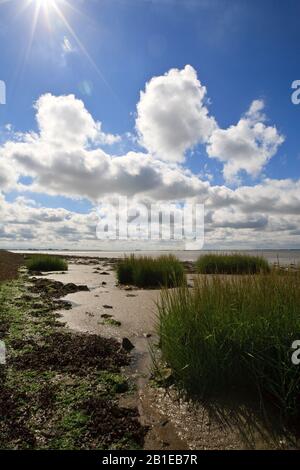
x=247 y=146
x=64 y=157
x=24 y=222
x=8 y=175
x=95 y=174
x=172 y=115
x=247 y=217
x=64 y=122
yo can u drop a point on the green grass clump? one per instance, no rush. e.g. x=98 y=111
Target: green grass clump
x=231 y=264
x=151 y=272
x=235 y=335
x=46 y=263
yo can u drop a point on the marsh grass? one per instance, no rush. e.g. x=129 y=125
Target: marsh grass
x=151 y=272
x=46 y=263
x=232 y=336
x=231 y=264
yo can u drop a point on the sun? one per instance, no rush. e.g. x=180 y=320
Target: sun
x=45 y=6
x=42 y=4
x=45 y=3
x=44 y=11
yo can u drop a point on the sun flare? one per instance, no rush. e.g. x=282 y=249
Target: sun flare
x=44 y=12
x=45 y=3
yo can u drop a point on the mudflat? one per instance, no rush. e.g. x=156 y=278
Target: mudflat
x=9 y=265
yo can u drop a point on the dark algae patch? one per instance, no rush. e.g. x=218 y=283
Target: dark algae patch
x=58 y=389
x=54 y=289
x=69 y=352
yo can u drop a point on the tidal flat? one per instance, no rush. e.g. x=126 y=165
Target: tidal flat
x=84 y=370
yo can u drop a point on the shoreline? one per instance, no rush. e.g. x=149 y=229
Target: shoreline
x=83 y=304
x=285 y=257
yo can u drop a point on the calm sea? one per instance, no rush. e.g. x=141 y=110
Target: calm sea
x=285 y=257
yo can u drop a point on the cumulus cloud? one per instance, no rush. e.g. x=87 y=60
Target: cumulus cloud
x=66 y=156
x=8 y=175
x=247 y=219
x=172 y=115
x=25 y=222
x=247 y=146
x=63 y=121
x=94 y=174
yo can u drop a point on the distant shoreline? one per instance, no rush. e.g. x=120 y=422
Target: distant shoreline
x=284 y=256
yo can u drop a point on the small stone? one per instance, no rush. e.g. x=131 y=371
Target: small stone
x=127 y=344
x=107 y=306
x=147 y=335
x=164 y=422
x=84 y=288
x=106 y=315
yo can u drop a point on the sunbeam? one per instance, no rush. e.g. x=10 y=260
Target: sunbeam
x=46 y=9
x=81 y=46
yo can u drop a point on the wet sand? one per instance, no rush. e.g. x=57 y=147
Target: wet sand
x=174 y=424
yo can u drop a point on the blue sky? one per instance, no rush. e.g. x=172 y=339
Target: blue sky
x=104 y=52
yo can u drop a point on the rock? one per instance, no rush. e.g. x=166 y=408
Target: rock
x=106 y=315
x=104 y=273
x=131 y=295
x=121 y=387
x=55 y=289
x=62 y=304
x=147 y=335
x=83 y=288
x=104 y=283
x=127 y=344
x=166 y=377
x=164 y=422
x=72 y=288
x=107 y=306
